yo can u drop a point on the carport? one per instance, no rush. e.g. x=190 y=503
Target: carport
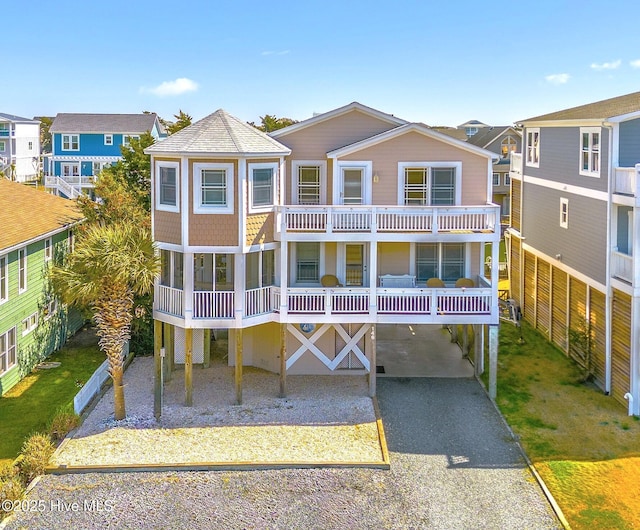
x=419 y=350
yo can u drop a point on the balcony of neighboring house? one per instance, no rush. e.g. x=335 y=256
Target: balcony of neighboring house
x=387 y=223
x=516 y=164
x=625 y=185
x=622 y=264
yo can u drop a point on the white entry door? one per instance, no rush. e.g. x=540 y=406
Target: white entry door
x=353 y=183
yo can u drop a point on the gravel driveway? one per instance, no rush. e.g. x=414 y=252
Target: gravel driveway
x=453 y=465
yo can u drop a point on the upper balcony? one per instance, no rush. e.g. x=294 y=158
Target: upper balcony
x=388 y=223
x=625 y=182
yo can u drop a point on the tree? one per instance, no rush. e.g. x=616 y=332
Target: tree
x=271 y=123
x=109 y=266
x=45 y=135
x=182 y=120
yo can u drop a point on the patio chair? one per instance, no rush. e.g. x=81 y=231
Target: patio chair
x=464 y=282
x=329 y=280
x=435 y=282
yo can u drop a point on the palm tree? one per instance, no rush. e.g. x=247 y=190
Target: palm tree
x=109 y=265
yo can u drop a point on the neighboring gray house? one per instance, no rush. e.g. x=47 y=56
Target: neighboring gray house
x=503 y=140
x=472 y=127
x=575 y=234
x=19 y=147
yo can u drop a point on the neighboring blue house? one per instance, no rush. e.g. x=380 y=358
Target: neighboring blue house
x=82 y=144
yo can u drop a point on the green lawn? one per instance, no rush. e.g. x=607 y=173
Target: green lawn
x=31 y=404
x=583 y=443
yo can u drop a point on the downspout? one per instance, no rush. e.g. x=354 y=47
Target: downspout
x=608 y=311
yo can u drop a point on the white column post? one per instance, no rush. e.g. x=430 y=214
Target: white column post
x=493 y=361
x=373 y=278
x=284 y=277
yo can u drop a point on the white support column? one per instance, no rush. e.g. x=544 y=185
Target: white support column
x=187 y=275
x=284 y=277
x=634 y=369
x=479 y=348
x=238 y=287
x=373 y=278
x=493 y=361
x=495 y=279
x=373 y=367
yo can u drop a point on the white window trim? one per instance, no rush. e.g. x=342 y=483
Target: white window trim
x=3 y=146
x=457 y=179
x=467 y=257
x=70 y=141
x=23 y=251
x=274 y=166
x=5 y=280
x=48 y=249
x=564 y=212
x=108 y=139
x=126 y=139
x=493 y=179
x=293 y=269
x=507 y=179
x=70 y=164
x=31 y=323
x=51 y=308
x=167 y=207
x=5 y=338
x=295 y=165
x=585 y=172
x=197 y=185
x=528 y=162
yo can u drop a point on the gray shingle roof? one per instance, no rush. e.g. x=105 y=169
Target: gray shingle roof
x=600 y=110
x=220 y=133
x=487 y=135
x=13 y=117
x=103 y=123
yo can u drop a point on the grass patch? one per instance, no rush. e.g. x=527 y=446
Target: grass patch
x=581 y=442
x=32 y=404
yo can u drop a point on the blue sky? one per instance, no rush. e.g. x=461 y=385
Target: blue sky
x=439 y=62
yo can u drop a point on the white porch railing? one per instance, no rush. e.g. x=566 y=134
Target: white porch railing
x=625 y=180
x=213 y=304
x=258 y=301
x=515 y=164
x=374 y=219
x=61 y=185
x=622 y=266
x=169 y=300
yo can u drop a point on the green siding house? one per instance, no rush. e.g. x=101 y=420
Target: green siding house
x=35 y=231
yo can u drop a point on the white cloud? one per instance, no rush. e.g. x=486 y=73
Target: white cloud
x=271 y=52
x=179 y=86
x=607 y=66
x=635 y=64
x=557 y=79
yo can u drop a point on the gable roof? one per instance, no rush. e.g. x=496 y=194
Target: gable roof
x=14 y=118
x=389 y=118
x=487 y=135
x=600 y=110
x=472 y=123
x=219 y=133
x=103 y=123
x=403 y=129
x=454 y=132
x=27 y=214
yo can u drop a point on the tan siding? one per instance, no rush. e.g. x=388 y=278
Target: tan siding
x=213 y=229
x=415 y=147
x=597 y=322
x=167 y=227
x=393 y=258
x=543 y=298
x=559 y=309
x=529 y=309
x=620 y=347
x=260 y=228
x=516 y=211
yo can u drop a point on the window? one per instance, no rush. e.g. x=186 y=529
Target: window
x=470 y=131
x=126 y=139
x=224 y=272
x=167 y=189
x=507 y=179
x=7 y=350
x=307 y=263
x=424 y=183
x=260 y=269
x=98 y=167
x=496 y=179
x=213 y=188
x=30 y=146
x=29 y=324
x=70 y=170
x=533 y=147
x=108 y=139
x=51 y=308
x=4 y=279
x=564 y=212
x=3 y=146
x=171 y=267
x=507 y=146
x=439 y=260
x=590 y=151
x=262 y=185
x=22 y=270
x=308 y=182
x=48 y=249
x=70 y=142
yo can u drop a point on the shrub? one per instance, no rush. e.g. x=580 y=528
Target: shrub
x=36 y=452
x=62 y=423
x=11 y=486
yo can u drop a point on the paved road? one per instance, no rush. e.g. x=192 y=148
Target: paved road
x=453 y=465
